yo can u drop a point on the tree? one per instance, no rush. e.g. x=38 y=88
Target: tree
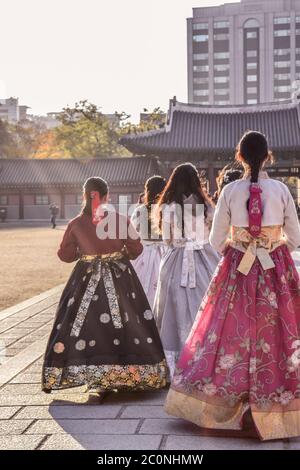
x=151 y=120
x=5 y=140
x=86 y=132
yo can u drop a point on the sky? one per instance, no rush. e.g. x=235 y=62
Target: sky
x=123 y=55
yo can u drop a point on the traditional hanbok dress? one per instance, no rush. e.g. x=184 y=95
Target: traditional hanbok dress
x=185 y=273
x=148 y=262
x=104 y=334
x=244 y=348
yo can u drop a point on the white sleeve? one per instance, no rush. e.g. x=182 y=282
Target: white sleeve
x=291 y=227
x=221 y=225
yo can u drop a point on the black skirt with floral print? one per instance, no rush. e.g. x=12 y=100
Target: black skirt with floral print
x=104 y=334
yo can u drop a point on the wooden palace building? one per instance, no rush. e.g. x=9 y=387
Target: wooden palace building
x=27 y=187
x=205 y=135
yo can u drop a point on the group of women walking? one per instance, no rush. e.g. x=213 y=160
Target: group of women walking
x=206 y=299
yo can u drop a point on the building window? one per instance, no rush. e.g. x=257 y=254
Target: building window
x=221 y=68
x=220 y=92
x=251 y=66
x=251 y=90
x=252 y=23
x=251 y=34
x=42 y=199
x=251 y=54
x=203 y=56
x=201 y=92
x=279 y=52
x=282 y=32
x=282 y=64
x=221 y=55
x=200 y=80
x=200 y=26
x=200 y=68
x=200 y=38
x=282 y=89
x=252 y=101
x=221 y=24
x=282 y=76
x=221 y=79
x=222 y=103
x=221 y=37
x=252 y=78
x=297 y=63
x=282 y=20
x=3 y=200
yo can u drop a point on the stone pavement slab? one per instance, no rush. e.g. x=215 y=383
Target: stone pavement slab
x=10 y=426
x=68 y=412
x=219 y=443
x=83 y=426
x=7 y=412
x=94 y=442
x=146 y=411
x=20 y=442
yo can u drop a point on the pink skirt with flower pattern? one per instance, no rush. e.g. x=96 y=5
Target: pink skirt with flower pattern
x=244 y=351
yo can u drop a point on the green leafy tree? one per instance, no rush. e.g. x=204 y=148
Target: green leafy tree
x=86 y=132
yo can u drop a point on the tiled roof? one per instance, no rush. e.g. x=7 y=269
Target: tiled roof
x=71 y=172
x=195 y=129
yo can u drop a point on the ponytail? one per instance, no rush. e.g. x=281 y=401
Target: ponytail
x=253 y=151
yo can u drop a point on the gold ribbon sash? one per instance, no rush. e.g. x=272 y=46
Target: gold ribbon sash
x=101 y=267
x=260 y=247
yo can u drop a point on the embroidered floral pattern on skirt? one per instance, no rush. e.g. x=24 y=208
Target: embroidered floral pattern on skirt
x=244 y=350
x=104 y=338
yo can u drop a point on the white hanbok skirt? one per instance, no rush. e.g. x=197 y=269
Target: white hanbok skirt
x=147 y=267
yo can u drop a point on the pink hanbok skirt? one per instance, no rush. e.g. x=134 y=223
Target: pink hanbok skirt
x=244 y=351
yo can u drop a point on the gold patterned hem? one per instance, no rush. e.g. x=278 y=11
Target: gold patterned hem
x=106 y=377
x=205 y=414
x=279 y=424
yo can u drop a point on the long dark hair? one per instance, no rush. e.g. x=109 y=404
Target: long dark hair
x=253 y=152
x=153 y=188
x=231 y=172
x=93 y=184
x=184 y=181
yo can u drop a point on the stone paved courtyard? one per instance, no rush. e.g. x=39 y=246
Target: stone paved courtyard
x=74 y=419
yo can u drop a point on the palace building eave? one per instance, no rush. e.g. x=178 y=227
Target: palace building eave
x=71 y=173
x=197 y=131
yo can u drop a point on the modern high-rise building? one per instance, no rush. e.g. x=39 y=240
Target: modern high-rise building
x=244 y=53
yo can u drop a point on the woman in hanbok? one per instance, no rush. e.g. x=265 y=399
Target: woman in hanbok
x=147 y=264
x=184 y=216
x=243 y=352
x=104 y=335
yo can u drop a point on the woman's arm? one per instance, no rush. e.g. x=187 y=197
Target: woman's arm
x=132 y=243
x=291 y=227
x=68 y=250
x=220 y=225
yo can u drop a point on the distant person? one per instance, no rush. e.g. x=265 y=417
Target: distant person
x=104 y=335
x=228 y=174
x=147 y=264
x=54 y=210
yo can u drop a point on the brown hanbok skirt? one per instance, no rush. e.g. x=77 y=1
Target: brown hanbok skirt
x=104 y=334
